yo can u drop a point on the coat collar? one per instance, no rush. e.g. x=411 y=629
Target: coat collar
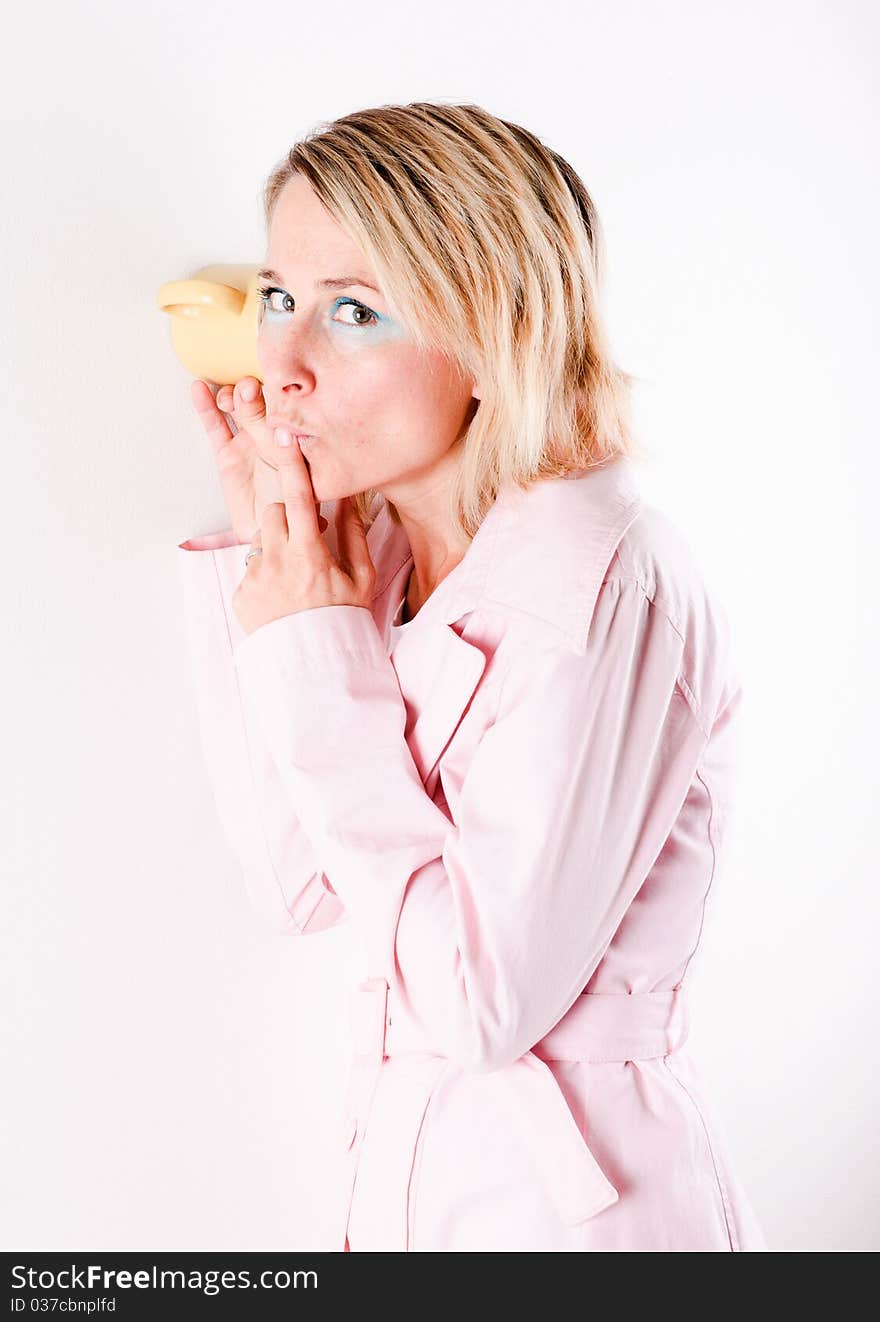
x=543 y=550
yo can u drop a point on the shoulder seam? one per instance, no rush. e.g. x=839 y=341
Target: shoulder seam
x=662 y=605
x=665 y=610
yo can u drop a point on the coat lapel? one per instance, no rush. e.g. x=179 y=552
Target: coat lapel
x=437 y=670
x=542 y=551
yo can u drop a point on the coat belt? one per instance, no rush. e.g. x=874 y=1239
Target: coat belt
x=599 y=1027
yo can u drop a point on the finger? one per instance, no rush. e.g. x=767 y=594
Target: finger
x=249 y=408
x=339 y=527
x=351 y=539
x=300 y=505
x=211 y=418
x=273 y=529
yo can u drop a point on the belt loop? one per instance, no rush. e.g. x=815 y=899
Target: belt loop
x=369 y=1004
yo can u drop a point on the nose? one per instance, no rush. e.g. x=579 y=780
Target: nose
x=286 y=368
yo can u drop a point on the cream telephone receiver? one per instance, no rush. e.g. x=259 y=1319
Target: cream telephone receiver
x=214 y=322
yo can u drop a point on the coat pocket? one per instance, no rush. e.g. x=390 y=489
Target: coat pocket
x=499 y=1164
x=384 y=1154
x=412 y=1192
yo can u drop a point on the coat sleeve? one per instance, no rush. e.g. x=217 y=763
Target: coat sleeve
x=286 y=888
x=490 y=925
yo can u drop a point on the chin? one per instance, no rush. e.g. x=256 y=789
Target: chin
x=330 y=487
x=325 y=491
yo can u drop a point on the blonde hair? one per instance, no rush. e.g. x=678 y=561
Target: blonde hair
x=489 y=249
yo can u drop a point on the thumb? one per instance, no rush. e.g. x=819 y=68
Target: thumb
x=323 y=525
x=351 y=539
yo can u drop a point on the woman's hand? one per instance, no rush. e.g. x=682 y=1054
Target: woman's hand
x=296 y=570
x=245 y=455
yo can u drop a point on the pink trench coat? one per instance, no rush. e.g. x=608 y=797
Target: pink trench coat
x=523 y=810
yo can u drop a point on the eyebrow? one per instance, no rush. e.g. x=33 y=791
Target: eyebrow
x=336 y=282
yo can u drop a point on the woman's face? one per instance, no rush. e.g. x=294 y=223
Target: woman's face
x=336 y=364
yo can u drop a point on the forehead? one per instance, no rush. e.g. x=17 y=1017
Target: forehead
x=303 y=235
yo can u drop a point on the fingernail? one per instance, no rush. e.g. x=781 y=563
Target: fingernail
x=283 y=436
x=249 y=391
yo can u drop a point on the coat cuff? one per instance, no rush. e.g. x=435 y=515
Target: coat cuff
x=322 y=636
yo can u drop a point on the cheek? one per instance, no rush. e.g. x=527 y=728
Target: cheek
x=371 y=381
x=395 y=391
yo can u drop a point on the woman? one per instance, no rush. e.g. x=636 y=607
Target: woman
x=493 y=721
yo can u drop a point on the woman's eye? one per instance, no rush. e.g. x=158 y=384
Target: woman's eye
x=266 y=295
x=357 y=308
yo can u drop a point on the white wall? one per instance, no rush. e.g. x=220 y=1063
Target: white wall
x=173 y=1071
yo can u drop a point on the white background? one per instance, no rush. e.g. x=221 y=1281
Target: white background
x=174 y=1071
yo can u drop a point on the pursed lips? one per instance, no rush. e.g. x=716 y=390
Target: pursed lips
x=293 y=427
